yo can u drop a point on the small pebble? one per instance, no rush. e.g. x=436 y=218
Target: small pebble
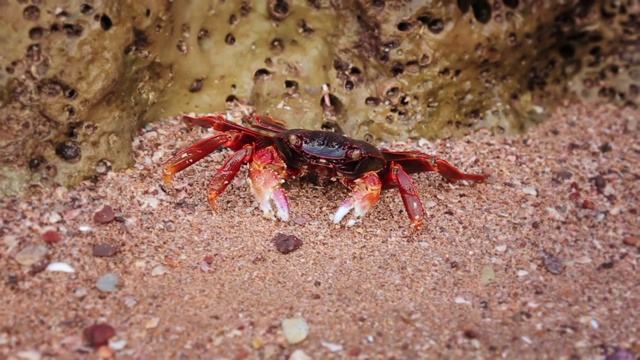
x=553 y=264
x=286 y=243
x=331 y=346
x=158 y=270
x=80 y=292
x=31 y=254
x=501 y=248
x=51 y=237
x=152 y=323
x=60 y=266
x=84 y=228
x=54 y=217
x=104 y=250
x=583 y=260
x=522 y=273
x=299 y=354
x=488 y=171
x=117 y=344
x=488 y=274
x=300 y=220
x=632 y=240
x=530 y=190
x=295 y=330
x=99 y=334
x=104 y=215
x=461 y=300
x=130 y=301
x=564 y=175
x=107 y=283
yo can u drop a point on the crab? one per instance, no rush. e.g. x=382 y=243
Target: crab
x=275 y=153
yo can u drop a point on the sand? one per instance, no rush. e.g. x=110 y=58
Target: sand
x=540 y=261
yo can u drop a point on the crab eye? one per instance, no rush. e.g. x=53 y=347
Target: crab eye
x=354 y=154
x=294 y=140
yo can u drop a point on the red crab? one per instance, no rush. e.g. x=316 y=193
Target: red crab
x=276 y=154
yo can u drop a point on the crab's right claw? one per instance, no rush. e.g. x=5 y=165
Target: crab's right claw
x=267 y=173
x=365 y=193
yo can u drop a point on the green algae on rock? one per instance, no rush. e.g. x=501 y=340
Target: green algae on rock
x=76 y=81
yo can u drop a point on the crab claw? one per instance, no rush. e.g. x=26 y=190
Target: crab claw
x=365 y=192
x=267 y=173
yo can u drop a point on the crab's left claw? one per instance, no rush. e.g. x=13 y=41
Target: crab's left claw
x=365 y=192
x=267 y=174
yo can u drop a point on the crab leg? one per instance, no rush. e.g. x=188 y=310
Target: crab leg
x=228 y=171
x=410 y=199
x=365 y=193
x=267 y=173
x=414 y=162
x=195 y=152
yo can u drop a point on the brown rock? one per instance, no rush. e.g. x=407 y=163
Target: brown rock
x=632 y=240
x=99 y=334
x=51 y=237
x=104 y=215
x=104 y=250
x=286 y=243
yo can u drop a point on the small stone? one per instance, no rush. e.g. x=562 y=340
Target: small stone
x=553 y=264
x=299 y=354
x=117 y=344
x=588 y=204
x=60 y=266
x=461 y=300
x=99 y=334
x=295 y=330
x=130 y=301
x=107 y=283
x=583 y=260
x=564 y=175
x=530 y=190
x=31 y=254
x=501 y=248
x=159 y=270
x=152 y=323
x=632 y=240
x=488 y=171
x=600 y=182
x=104 y=250
x=522 y=273
x=80 y=292
x=286 y=243
x=331 y=346
x=487 y=274
x=51 y=237
x=300 y=220
x=54 y=217
x=169 y=226
x=104 y=215
x=38 y=267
